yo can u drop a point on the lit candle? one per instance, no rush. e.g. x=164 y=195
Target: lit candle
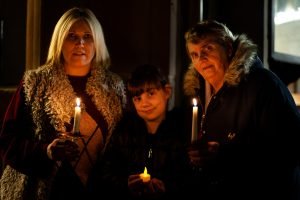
x=145 y=176
x=195 y=121
x=77 y=117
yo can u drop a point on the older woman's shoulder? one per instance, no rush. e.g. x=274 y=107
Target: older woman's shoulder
x=264 y=75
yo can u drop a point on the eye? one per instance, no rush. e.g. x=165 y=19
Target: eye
x=136 y=99
x=151 y=92
x=208 y=48
x=72 y=37
x=194 y=56
x=88 y=37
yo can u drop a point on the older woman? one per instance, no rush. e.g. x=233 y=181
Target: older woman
x=248 y=142
x=41 y=162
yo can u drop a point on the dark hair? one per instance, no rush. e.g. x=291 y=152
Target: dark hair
x=145 y=77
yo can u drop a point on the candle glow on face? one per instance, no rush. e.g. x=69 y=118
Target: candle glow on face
x=77 y=116
x=145 y=176
x=194 y=121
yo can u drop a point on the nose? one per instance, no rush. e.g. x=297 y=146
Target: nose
x=144 y=100
x=80 y=41
x=200 y=55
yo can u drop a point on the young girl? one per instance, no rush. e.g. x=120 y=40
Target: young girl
x=149 y=138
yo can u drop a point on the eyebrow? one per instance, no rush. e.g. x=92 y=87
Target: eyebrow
x=85 y=32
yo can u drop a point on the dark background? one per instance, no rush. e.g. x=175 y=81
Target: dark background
x=136 y=32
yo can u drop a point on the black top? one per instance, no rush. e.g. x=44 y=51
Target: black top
x=132 y=148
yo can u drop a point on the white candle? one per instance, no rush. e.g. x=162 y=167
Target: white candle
x=77 y=117
x=145 y=176
x=195 y=121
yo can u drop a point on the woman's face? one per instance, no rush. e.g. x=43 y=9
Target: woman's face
x=210 y=59
x=78 y=49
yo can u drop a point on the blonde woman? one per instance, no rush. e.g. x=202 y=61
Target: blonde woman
x=39 y=162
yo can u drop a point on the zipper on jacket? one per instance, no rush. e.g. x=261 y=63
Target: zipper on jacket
x=202 y=121
x=202 y=132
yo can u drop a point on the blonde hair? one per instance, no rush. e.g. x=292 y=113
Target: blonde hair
x=61 y=31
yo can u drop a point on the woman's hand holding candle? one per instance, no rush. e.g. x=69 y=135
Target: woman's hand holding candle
x=62 y=149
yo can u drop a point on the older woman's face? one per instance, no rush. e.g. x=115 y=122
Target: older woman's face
x=78 y=49
x=210 y=59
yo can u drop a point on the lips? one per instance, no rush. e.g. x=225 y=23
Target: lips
x=207 y=67
x=79 y=53
x=147 y=110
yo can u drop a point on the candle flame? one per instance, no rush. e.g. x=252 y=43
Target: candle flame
x=145 y=170
x=195 y=101
x=78 y=102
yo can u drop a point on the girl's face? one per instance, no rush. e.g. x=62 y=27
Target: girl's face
x=78 y=49
x=152 y=104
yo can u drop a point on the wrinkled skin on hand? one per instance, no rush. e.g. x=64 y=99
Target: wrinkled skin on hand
x=63 y=149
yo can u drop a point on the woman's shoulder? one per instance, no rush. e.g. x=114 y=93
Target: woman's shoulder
x=40 y=76
x=264 y=77
x=113 y=82
x=266 y=84
x=111 y=77
x=114 y=79
x=43 y=70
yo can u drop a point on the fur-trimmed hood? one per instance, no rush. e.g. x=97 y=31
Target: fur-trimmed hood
x=244 y=56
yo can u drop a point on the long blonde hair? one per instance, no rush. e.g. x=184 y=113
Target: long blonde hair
x=61 y=31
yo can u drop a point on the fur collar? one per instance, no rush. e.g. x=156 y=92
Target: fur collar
x=50 y=93
x=239 y=66
x=52 y=98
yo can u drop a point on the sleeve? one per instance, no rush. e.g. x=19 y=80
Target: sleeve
x=279 y=116
x=18 y=146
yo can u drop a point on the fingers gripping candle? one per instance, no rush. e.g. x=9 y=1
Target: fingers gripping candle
x=77 y=116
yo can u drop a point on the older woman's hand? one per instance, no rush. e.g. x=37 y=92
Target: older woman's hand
x=201 y=154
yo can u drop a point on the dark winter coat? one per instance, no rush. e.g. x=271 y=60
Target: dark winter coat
x=255 y=120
